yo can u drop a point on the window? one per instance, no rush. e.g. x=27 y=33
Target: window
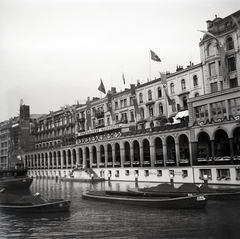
x=116 y=117
x=218 y=109
x=151 y=110
x=185 y=105
x=210 y=50
x=131 y=101
x=206 y=172
x=172 y=88
x=201 y=112
x=149 y=95
x=174 y=109
x=125 y=102
x=159 y=92
x=142 y=113
x=233 y=83
x=108 y=121
x=183 y=84
x=159 y=173
x=231 y=64
x=195 y=80
x=160 y=109
x=140 y=97
x=197 y=94
x=121 y=103
x=212 y=69
x=223 y=174
x=116 y=105
x=234 y=106
x=132 y=115
x=214 y=87
x=229 y=44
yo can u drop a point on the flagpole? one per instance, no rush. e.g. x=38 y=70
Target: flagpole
x=149 y=64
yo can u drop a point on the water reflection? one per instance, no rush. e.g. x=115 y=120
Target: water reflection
x=89 y=219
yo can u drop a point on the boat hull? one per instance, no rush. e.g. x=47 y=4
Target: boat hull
x=191 y=202
x=53 y=206
x=16 y=183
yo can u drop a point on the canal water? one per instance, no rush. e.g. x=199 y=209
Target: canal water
x=89 y=219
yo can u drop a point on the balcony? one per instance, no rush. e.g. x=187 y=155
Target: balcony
x=99 y=114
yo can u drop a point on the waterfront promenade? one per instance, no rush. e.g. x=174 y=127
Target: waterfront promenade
x=89 y=219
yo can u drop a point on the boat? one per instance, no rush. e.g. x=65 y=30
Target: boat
x=32 y=204
x=15 y=178
x=168 y=190
x=188 y=202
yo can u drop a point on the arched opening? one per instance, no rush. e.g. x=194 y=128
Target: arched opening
x=74 y=157
x=54 y=159
x=146 y=153
x=87 y=157
x=102 y=156
x=204 y=152
x=171 y=152
x=236 y=145
x=64 y=159
x=184 y=150
x=69 y=161
x=136 y=153
x=94 y=164
x=109 y=152
x=50 y=160
x=80 y=152
x=117 y=154
x=59 y=159
x=158 y=151
x=127 y=154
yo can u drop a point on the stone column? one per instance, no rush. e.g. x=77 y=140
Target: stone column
x=177 y=153
x=91 y=156
x=84 y=158
x=106 y=155
x=131 y=155
x=141 y=155
x=164 y=154
x=213 y=150
x=231 y=150
x=152 y=155
x=113 y=154
x=98 y=155
x=122 y=154
x=77 y=157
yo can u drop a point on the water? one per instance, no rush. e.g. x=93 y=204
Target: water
x=89 y=219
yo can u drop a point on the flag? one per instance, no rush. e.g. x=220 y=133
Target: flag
x=123 y=79
x=102 y=87
x=134 y=97
x=89 y=118
x=110 y=108
x=236 y=22
x=154 y=56
x=223 y=62
x=209 y=33
x=164 y=83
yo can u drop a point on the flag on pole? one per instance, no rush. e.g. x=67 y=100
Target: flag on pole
x=236 y=22
x=123 y=79
x=134 y=97
x=164 y=83
x=110 y=108
x=154 y=56
x=101 y=87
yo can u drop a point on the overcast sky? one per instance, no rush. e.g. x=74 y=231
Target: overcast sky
x=54 y=52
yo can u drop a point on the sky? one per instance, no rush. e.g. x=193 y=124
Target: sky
x=54 y=52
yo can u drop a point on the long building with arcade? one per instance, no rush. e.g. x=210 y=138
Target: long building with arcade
x=183 y=126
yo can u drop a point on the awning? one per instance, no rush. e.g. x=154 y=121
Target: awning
x=182 y=114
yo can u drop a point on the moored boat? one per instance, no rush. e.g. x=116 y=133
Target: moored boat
x=32 y=204
x=167 y=190
x=188 y=202
x=15 y=179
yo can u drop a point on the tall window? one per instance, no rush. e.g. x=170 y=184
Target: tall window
x=140 y=97
x=174 y=109
x=151 y=110
x=185 y=105
x=195 y=80
x=116 y=105
x=172 y=88
x=212 y=69
x=231 y=64
x=183 y=84
x=229 y=44
x=210 y=50
x=234 y=106
x=149 y=95
x=132 y=115
x=159 y=92
x=214 y=87
x=160 y=109
x=142 y=113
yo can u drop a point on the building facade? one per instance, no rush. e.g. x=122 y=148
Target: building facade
x=184 y=130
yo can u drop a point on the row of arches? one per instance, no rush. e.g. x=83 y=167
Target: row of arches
x=148 y=152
